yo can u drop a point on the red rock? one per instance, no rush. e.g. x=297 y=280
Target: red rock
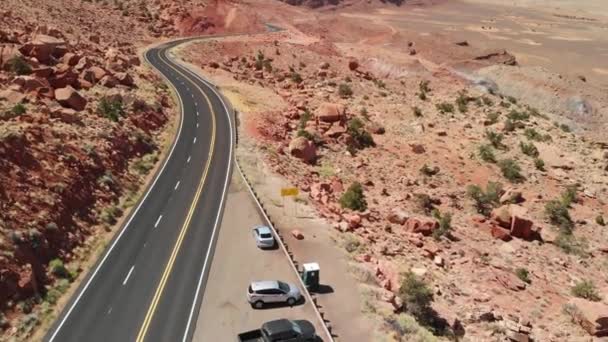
x=297 y=234
x=421 y=225
x=124 y=79
x=335 y=131
x=397 y=216
x=70 y=98
x=521 y=227
x=42 y=72
x=62 y=80
x=303 y=149
x=70 y=59
x=29 y=84
x=336 y=185
x=6 y=53
x=592 y=316
x=108 y=81
x=41 y=47
x=96 y=73
x=500 y=233
x=214 y=65
x=83 y=63
x=353 y=65
x=513 y=217
x=354 y=220
x=510 y=281
x=418 y=148
x=330 y=112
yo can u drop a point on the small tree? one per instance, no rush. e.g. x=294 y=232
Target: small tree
x=445 y=224
x=356 y=130
x=354 y=198
x=569 y=196
x=559 y=215
x=417 y=297
x=486 y=200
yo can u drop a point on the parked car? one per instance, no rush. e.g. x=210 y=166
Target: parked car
x=281 y=330
x=263 y=237
x=272 y=291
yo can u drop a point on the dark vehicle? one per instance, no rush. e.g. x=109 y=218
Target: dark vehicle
x=281 y=330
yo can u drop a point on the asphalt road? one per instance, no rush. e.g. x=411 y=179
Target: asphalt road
x=148 y=285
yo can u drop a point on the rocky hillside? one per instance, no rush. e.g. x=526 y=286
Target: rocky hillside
x=458 y=202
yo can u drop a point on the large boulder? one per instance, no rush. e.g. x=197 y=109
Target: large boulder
x=514 y=218
x=42 y=47
x=303 y=149
x=330 y=112
x=421 y=225
x=124 y=79
x=592 y=316
x=29 y=84
x=397 y=216
x=94 y=74
x=70 y=98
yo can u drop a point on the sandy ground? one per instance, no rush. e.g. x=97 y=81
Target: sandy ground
x=225 y=311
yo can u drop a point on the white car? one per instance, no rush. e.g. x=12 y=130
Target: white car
x=263 y=237
x=272 y=291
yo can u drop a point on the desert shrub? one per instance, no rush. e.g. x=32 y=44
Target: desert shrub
x=445 y=107
x=539 y=164
x=586 y=289
x=364 y=113
x=19 y=66
x=361 y=137
x=144 y=164
x=492 y=118
x=559 y=215
x=495 y=139
x=565 y=128
x=532 y=134
x=487 y=154
x=445 y=224
x=511 y=170
x=18 y=109
x=486 y=200
x=571 y=245
x=504 y=104
x=462 y=101
x=416 y=296
x=295 y=77
x=304 y=118
x=58 y=268
x=306 y=134
x=111 y=109
x=515 y=115
x=528 y=149
x=353 y=198
x=509 y=126
x=569 y=195
x=380 y=83
x=429 y=171
x=344 y=90
x=417 y=112
x=109 y=214
x=523 y=275
x=423 y=86
x=422 y=96
x=512 y=99
x=600 y=220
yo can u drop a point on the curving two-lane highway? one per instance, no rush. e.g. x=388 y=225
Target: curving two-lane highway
x=149 y=282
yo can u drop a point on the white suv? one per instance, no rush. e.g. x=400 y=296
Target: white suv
x=272 y=291
x=263 y=237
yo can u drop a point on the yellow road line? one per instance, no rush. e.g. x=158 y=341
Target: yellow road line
x=168 y=268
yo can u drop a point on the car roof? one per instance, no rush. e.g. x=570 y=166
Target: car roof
x=263 y=229
x=278 y=326
x=264 y=284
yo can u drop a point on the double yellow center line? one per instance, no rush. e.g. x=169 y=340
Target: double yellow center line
x=168 y=268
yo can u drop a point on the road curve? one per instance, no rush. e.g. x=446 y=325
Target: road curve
x=149 y=282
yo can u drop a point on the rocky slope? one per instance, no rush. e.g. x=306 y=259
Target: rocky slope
x=426 y=166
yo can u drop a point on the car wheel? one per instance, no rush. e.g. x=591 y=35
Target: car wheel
x=291 y=301
x=259 y=304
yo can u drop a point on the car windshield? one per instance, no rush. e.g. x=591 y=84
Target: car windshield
x=265 y=235
x=284 y=287
x=296 y=328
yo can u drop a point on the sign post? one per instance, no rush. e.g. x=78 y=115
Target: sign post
x=289 y=192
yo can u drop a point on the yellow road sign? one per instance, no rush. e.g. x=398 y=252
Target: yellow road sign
x=289 y=192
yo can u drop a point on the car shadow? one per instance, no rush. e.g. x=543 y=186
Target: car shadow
x=324 y=289
x=273 y=248
x=271 y=306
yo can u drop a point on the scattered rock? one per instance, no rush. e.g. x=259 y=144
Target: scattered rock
x=330 y=112
x=592 y=316
x=353 y=65
x=69 y=97
x=302 y=148
x=421 y=225
x=397 y=216
x=297 y=234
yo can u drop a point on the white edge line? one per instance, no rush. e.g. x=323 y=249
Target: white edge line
x=188 y=161
x=217 y=218
x=177 y=185
x=307 y=294
x=158 y=221
x=181 y=122
x=194 y=141
x=124 y=282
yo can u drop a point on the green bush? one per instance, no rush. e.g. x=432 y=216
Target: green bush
x=445 y=107
x=532 y=134
x=487 y=101
x=424 y=202
x=416 y=296
x=570 y=245
x=565 y=128
x=487 y=154
x=495 y=139
x=19 y=66
x=344 y=90
x=569 y=195
x=486 y=200
x=509 y=126
x=58 y=269
x=559 y=215
x=523 y=275
x=424 y=86
x=586 y=289
x=600 y=220
x=361 y=137
x=445 y=224
x=18 y=109
x=111 y=109
x=304 y=118
x=512 y=99
x=422 y=96
x=295 y=77
x=511 y=170
x=515 y=115
x=353 y=198
x=462 y=101
x=529 y=149
x=539 y=164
